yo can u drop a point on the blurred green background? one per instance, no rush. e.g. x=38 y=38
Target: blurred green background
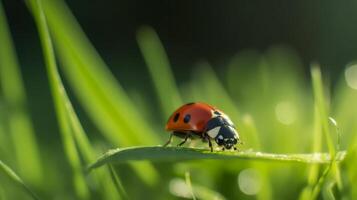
x=278 y=69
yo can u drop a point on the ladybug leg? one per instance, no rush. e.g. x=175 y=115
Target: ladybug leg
x=185 y=140
x=209 y=142
x=205 y=137
x=169 y=141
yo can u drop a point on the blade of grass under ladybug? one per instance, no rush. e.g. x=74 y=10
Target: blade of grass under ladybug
x=322 y=108
x=176 y=154
x=19 y=123
x=57 y=92
x=98 y=91
x=160 y=70
x=13 y=176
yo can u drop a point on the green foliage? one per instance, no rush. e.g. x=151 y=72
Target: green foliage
x=159 y=68
x=60 y=100
x=110 y=110
x=14 y=177
x=18 y=123
x=284 y=124
x=175 y=154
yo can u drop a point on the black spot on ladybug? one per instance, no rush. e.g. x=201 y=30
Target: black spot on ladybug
x=187 y=118
x=217 y=113
x=176 y=117
x=190 y=103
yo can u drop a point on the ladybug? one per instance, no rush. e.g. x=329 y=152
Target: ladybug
x=201 y=120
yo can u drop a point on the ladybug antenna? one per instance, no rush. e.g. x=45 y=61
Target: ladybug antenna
x=235 y=148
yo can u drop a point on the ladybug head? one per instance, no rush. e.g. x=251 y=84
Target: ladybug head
x=222 y=132
x=227 y=137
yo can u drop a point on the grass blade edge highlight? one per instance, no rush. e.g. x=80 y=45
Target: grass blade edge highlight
x=158 y=153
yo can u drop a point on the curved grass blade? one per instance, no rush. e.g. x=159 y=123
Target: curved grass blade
x=98 y=90
x=13 y=176
x=322 y=109
x=20 y=126
x=314 y=169
x=175 y=154
x=99 y=93
x=159 y=68
x=189 y=184
x=58 y=92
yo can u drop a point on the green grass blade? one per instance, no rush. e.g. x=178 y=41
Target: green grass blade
x=159 y=68
x=189 y=184
x=117 y=182
x=207 y=82
x=175 y=154
x=101 y=95
x=102 y=177
x=324 y=118
x=13 y=176
x=58 y=92
x=322 y=106
x=20 y=126
x=314 y=169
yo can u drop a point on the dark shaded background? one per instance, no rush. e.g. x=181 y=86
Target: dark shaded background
x=323 y=31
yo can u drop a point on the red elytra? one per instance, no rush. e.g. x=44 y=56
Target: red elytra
x=199 y=114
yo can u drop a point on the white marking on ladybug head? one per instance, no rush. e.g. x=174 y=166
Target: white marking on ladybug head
x=220 y=137
x=214 y=132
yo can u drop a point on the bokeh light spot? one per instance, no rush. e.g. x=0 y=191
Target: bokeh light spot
x=351 y=76
x=285 y=112
x=178 y=187
x=249 y=181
